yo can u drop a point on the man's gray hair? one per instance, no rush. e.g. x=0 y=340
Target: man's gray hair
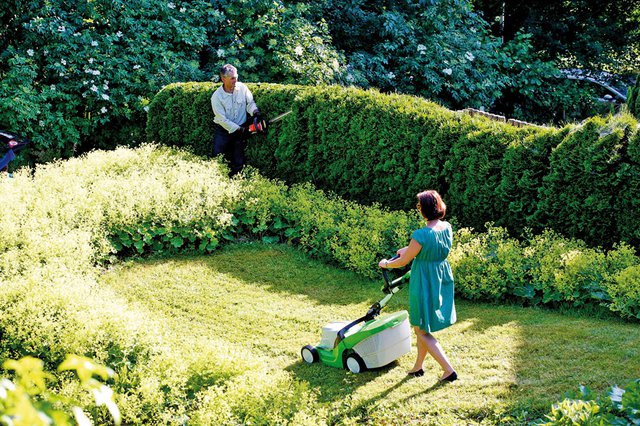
x=227 y=69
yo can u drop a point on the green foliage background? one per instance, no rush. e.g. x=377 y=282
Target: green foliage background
x=79 y=76
x=580 y=180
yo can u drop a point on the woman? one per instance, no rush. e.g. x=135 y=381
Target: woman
x=431 y=306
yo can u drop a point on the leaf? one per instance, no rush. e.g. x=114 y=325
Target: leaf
x=139 y=245
x=30 y=373
x=270 y=239
x=292 y=232
x=126 y=241
x=278 y=223
x=526 y=291
x=103 y=395
x=85 y=368
x=177 y=242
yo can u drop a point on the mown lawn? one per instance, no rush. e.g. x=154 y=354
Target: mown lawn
x=260 y=304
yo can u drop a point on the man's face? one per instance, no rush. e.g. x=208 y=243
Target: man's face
x=229 y=81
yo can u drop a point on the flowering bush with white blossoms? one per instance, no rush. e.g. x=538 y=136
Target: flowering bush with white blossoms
x=68 y=79
x=75 y=76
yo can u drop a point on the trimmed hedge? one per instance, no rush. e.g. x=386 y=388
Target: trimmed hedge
x=580 y=180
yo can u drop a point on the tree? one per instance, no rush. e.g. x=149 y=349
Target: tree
x=437 y=49
x=591 y=34
x=78 y=75
x=275 y=41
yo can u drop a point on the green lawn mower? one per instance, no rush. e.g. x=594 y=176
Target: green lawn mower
x=375 y=343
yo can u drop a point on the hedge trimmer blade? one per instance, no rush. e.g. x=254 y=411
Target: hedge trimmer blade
x=280 y=117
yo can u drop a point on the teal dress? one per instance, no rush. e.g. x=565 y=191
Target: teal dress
x=431 y=305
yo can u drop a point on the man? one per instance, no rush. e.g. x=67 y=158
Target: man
x=231 y=103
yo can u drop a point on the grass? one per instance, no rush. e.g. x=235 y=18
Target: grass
x=260 y=304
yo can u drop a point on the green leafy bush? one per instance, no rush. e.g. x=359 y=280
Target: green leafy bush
x=28 y=401
x=591 y=174
x=83 y=74
x=633 y=106
x=621 y=406
x=580 y=180
x=327 y=227
x=77 y=77
x=625 y=292
x=546 y=269
x=488 y=266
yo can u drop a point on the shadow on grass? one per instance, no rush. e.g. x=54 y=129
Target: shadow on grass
x=324 y=378
x=282 y=269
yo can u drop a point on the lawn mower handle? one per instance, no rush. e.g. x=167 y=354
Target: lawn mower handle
x=388 y=284
x=375 y=309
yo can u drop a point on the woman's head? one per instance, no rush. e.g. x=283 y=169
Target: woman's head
x=431 y=205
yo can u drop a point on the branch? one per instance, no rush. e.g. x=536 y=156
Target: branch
x=576 y=74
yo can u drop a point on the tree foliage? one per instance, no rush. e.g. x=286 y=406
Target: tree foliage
x=439 y=50
x=79 y=75
x=83 y=72
x=595 y=34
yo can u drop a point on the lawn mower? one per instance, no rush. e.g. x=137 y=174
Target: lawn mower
x=375 y=343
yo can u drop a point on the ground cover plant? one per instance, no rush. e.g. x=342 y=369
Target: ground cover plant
x=65 y=225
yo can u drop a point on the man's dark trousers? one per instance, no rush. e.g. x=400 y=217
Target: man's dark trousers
x=231 y=145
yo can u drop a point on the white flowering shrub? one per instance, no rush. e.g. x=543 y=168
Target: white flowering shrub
x=74 y=70
x=78 y=75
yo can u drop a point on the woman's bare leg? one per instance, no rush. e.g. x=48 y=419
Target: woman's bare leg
x=422 y=350
x=426 y=343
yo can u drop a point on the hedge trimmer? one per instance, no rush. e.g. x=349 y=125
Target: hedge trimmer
x=261 y=124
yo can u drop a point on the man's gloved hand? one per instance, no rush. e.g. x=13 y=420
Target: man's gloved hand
x=243 y=129
x=258 y=124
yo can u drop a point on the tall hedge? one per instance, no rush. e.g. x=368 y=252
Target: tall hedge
x=580 y=180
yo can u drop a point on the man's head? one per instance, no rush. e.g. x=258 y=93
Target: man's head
x=229 y=77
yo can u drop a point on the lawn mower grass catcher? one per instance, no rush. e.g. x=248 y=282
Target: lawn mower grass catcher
x=10 y=145
x=376 y=343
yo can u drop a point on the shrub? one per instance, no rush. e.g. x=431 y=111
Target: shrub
x=393 y=146
x=621 y=406
x=525 y=165
x=326 y=227
x=547 y=269
x=28 y=402
x=588 y=180
x=488 y=266
x=77 y=77
x=625 y=292
x=81 y=75
x=633 y=106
